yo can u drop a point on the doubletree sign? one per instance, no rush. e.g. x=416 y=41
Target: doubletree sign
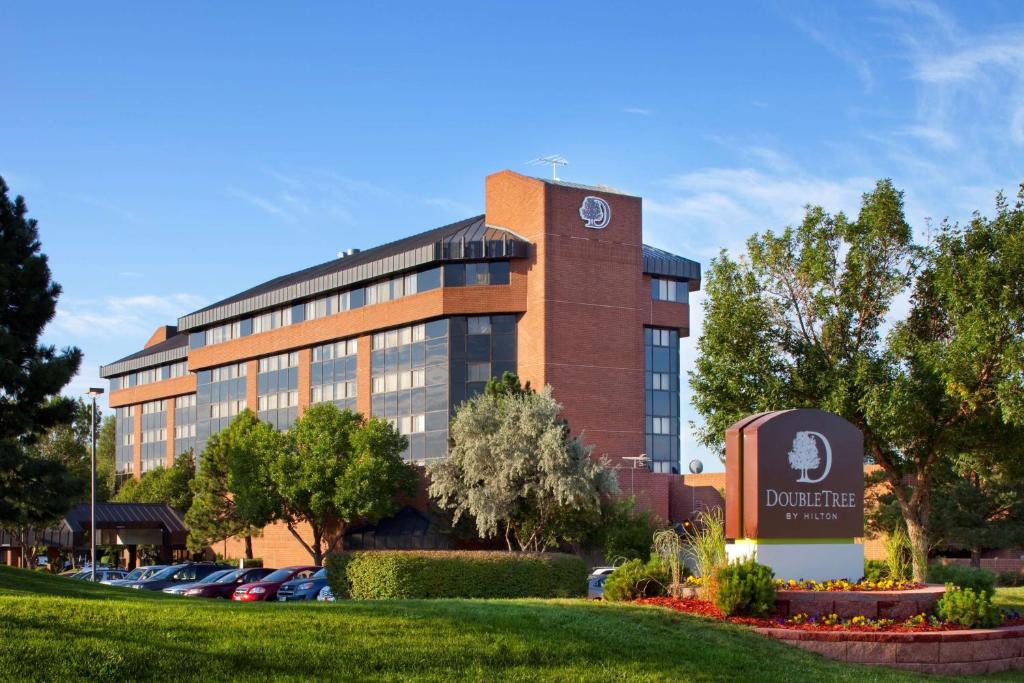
x=794 y=474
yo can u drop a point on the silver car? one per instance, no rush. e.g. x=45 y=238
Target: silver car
x=595 y=582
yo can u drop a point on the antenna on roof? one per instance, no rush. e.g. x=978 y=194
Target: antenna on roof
x=555 y=160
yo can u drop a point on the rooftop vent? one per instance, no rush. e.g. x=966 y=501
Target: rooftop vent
x=347 y=252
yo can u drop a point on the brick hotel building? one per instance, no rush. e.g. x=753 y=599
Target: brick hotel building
x=553 y=282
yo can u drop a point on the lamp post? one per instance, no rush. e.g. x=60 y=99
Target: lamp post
x=93 y=392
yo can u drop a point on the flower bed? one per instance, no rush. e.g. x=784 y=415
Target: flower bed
x=835 y=585
x=919 y=623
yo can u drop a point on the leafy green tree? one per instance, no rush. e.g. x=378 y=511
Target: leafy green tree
x=252 y=451
x=801 y=322
x=213 y=515
x=32 y=489
x=516 y=471
x=71 y=444
x=171 y=485
x=106 y=459
x=508 y=384
x=337 y=469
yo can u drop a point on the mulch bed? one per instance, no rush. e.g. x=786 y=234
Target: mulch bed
x=706 y=609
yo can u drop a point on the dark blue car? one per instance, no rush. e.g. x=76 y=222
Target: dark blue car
x=302 y=589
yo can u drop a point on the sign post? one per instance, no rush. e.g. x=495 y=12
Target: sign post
x=795 y=494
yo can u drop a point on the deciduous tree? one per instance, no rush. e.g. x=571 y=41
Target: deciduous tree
x=802 y=322
x=338 y=468
x=171 y=485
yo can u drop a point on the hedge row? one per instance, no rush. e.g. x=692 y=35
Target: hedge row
x=385 y=574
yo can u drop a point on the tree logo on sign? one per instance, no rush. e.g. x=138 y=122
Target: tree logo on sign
x=595 y=213
x=804 y=455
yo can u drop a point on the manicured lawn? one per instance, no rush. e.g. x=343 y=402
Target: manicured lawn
x=1010 y=597
x=59 y=629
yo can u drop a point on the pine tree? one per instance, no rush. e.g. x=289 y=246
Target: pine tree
x=33 y=490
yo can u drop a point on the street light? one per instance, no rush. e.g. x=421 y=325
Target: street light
x=93 y=392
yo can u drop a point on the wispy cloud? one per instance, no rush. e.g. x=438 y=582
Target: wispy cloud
x=111 y=208
x=819 y=24
x=639 y=111
x=121 y=317
x=130 y=273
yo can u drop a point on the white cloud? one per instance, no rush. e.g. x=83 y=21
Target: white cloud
x=451 y=206
x=639 y=111
x=121 y=317
x=820 y=25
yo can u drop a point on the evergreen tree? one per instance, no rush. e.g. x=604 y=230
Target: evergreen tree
x=212 y=516
x=34 y=491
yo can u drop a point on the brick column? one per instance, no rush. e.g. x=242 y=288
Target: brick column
x=137 y=447
x=305 y=378
x=252 y=368
x=364 y=374
x=171 y=455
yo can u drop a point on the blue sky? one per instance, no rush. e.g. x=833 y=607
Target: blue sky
x=176 y=154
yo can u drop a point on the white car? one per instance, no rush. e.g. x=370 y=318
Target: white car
x=325 y=595
x=595 y=582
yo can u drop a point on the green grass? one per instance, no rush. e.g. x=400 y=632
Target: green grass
x=1010 y=597
x=53 y=628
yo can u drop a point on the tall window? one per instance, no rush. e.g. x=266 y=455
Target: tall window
x=124 y=433
x=277 y=388
x=154 y=434
x=409 y=366
x=333 y=374
x=661 y=383
x=184 y=423
x=220 y=396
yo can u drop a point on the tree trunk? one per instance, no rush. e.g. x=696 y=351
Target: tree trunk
x=918 y=547
x=317 y=548
x=976 y=558
x=248 y=546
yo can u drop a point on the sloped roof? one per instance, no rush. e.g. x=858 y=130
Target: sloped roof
x=127 y=516
x=169 y=350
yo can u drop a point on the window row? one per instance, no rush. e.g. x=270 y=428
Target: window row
x=185 y=431
x=663 y=289
x=149 y=375
x=186 y=401
x=151 y=435
x=222 y=374
x=452 y=275
x=408 y=379
x=281 y=361
x=227 y=408
x=333 y=392
x=341 y=349
x=282 y=399
x=151 y=407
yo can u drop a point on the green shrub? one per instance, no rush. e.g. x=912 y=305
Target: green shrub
x=898 y=555
x=746 y=588
x=337 y=574
x=634 y=579
x=980 y=581
x=390 y=574
x=1011 y=578
x=968 y=608
x=875 y=570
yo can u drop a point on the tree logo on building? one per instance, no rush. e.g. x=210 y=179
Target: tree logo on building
x=804 y=455
x=595 y=212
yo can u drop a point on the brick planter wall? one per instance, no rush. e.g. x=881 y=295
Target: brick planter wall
x=976 y=651
x=898 y=605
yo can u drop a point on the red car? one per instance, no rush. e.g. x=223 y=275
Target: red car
x=226 y=585
x=266 y=588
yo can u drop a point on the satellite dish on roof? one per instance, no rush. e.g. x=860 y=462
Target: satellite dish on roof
x=696 y=466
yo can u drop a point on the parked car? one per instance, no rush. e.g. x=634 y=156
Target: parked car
x=180 y=588
x=325 y=595
x=102 y=575
x=267 y=587
x=225 y=586
x=139 y=574
x=188 y=572
x=595 y=582
x=303 y=589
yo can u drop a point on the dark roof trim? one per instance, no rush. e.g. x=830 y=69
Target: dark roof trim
x=659 y=262
x=426 y=248
x=588 y=188
x=169 y=351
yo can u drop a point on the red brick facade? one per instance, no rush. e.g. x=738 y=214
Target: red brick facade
x=583 y=301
